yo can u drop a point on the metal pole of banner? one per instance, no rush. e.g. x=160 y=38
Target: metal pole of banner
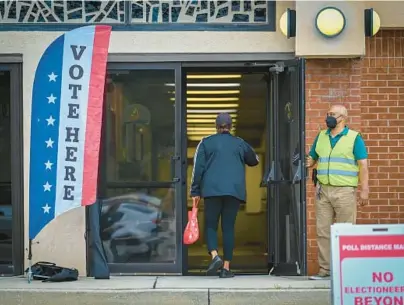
x=29 y=261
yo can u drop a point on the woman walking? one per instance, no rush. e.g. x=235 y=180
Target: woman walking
x=219 y=177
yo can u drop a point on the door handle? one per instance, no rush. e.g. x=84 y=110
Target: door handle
x=270 y=175
x=172 y=163
x=277 y=182
x=298 y=177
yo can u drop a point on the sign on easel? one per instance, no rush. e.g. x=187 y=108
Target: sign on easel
x=367 y=264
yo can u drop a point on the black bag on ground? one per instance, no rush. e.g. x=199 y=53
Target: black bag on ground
x=49 y=272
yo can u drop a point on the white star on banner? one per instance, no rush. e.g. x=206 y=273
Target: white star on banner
x=51 y=99
x=49 y=143
x=47 y=187
x=50 y=121
x=46 y=209
x=52 y=77
x=48 y=165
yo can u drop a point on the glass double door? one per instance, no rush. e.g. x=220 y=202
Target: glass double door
x=285 y=170
x=141 y=185
x=144 y=163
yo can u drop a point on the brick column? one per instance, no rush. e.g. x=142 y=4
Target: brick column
x=372 y=89
x=382 y=112
x=328 y=81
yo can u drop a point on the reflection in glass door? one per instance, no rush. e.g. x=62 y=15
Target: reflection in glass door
x=11 y=174
x=6 y=207
x=140 y=178
x=286 y=184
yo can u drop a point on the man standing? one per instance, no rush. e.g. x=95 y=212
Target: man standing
x=341 y=157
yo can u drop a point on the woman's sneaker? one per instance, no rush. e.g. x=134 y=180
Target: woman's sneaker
x=226 y=274
x=215 y=265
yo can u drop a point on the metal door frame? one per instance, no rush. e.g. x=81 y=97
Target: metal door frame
x=17 y=165
x=276 y=175
x=225 y=67
x=154 y=268
x=181 y=265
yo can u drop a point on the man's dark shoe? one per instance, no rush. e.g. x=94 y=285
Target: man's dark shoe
x=226 y=274
x=215 y=265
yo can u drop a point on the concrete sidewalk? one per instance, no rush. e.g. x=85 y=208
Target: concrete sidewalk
x=167 y=290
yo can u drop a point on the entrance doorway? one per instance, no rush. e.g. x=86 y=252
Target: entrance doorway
x=242 y=93
x=266 y=107
x=154 y=116
x=11 y=174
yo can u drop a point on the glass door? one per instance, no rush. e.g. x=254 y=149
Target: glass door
x=285 y=170
x=11 y=175
x=140 y=175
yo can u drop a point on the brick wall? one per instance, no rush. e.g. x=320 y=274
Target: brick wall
x=382 y=108
x=372 y=89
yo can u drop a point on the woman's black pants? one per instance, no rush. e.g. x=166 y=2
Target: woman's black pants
x=225 y=208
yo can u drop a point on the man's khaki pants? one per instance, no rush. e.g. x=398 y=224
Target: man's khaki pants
x=332 y=202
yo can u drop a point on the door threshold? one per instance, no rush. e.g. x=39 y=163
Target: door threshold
x=145 y=274
x=237 y=272
x=284 y=269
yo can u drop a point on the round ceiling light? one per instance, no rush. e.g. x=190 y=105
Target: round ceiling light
x=330 y=22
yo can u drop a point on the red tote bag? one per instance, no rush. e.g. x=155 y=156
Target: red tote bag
x=191 y=233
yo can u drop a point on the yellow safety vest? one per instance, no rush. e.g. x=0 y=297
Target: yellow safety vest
x=337 y=166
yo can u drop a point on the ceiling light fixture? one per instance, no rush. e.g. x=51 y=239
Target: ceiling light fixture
x=212 y=120
x=210 y=99
x=195 y=138
x=201 y=133
x=203 y=129
x=212 y=106
x=204 y=132
x=207 y=116
x=211 y=110
x=213 y=85
x=209 y=92
x=213 y=76
x=200 y=137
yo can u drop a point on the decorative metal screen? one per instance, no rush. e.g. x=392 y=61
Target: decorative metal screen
x=227 y=12
x=133 y=15
x=37 y=12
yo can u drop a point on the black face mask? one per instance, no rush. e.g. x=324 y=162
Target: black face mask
x=331 y=122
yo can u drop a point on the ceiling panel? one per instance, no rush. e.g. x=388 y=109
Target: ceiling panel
x=251 y=98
